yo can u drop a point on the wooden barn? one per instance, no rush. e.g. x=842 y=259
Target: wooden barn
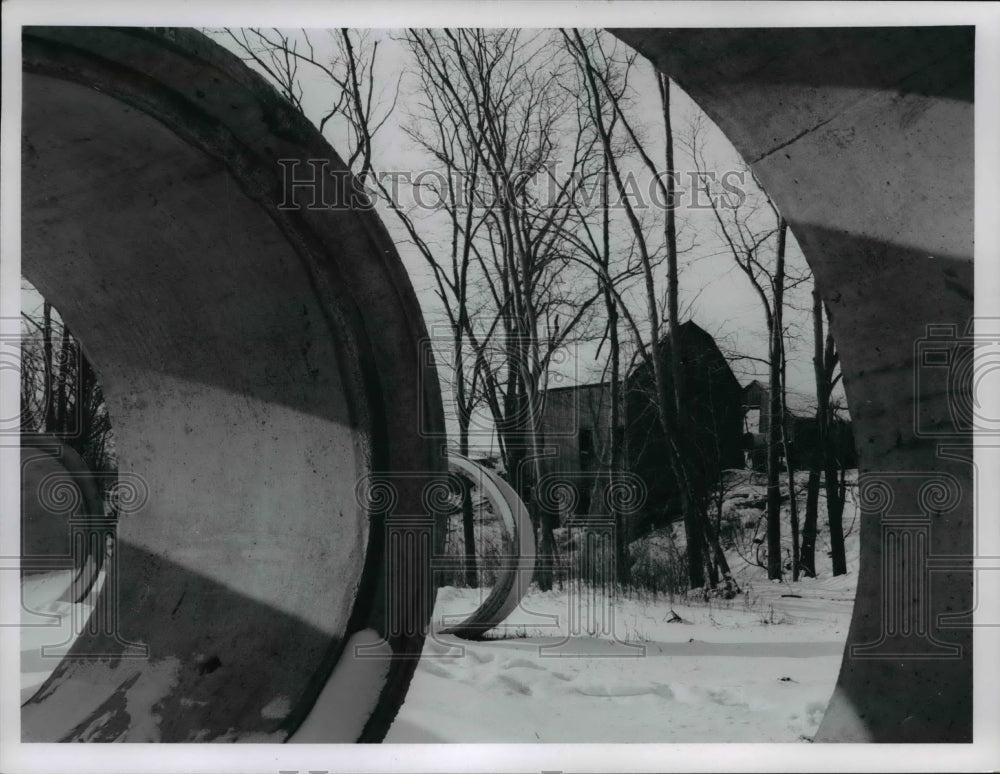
x=575 y=424
x=714 y=412
x=576 y=427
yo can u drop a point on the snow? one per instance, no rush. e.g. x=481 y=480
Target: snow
x=576 y=665
x=50 y=625
x=346 y=701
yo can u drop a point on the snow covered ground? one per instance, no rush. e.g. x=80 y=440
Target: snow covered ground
x=575 y=665
x=578 y=667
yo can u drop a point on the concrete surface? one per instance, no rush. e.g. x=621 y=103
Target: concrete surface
x=58 y=494
x=516 y=569
x=257 y=362
x=864 y=139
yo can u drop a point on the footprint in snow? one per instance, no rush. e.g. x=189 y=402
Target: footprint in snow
x=521 y=662
x=437 y=648
x=434 y=667
x=481 y=656
x=513 y=685
x=663 y=691
x=726 y=697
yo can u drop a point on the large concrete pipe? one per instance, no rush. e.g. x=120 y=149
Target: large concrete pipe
x=58 y=493
x=517 y=565
x=864 y=139
x=63 y=551
x=259 y=358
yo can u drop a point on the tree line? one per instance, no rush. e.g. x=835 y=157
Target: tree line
x=60 y=391
x=535 y=241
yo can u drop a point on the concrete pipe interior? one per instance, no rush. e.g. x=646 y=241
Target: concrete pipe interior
x=256 y=362
x=864 y=139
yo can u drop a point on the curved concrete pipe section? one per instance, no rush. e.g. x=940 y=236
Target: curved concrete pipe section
x=258 y=360
x=64 y=553
x=864 y=139
x=63 y=530
x=517 y=565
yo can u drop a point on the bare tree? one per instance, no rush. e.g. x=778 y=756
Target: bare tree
x=825 y=461
x=60 y=392
x=528 y=149
x=755 y=235
x=345 y=61
x=668 y=379
x=612 y=271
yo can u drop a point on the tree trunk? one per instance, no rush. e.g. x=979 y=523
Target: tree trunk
x=623 y=566
x=462 y=408
x=793 y=504
x=835 y=513
x=693 y=529
x=807 y=554
x=545 y=574
x=793 y=516
x=817 y=459
x=720 y=562
x=773 y=490
x=834 y=487
x=547 y=518
x=776 y=419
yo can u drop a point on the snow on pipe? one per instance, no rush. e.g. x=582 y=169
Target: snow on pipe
x=517 y=565
x=258 y=361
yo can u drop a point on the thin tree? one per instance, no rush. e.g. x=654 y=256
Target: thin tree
x=667 y=377
x=825 y=460
x=60 y=392
x=757 y=244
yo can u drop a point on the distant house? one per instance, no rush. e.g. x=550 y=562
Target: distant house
x=576 y=426
x=730 y=425
x=575 y=422
x=715 y=414
x=802 y=433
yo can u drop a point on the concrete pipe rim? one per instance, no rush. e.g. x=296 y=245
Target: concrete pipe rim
x=517 y=567
x=231 y=125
